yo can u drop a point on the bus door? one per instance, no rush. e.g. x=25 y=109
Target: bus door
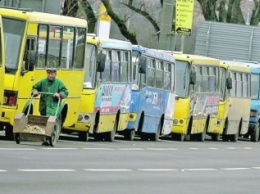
x=2 y=65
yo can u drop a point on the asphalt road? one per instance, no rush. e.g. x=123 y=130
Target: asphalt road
x=124 y=167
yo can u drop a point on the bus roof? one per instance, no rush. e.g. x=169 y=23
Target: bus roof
x=115 y=44
x=40 y=17
x=235 y=66
x=197 y=59
x=153 y=53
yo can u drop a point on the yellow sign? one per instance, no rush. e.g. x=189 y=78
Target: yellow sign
x=103 y=16
x=183 y=18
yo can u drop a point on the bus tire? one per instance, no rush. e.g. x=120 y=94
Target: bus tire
x=225 y=137
x=129 y=134
x=110 y=136
x=155 y=136
x=215 y=137
x=9 y=132
x=83 y=136
x=255 y=133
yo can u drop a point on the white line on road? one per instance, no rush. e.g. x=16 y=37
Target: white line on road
x=107 y=170
x=231 y=148
x=258 y=168
x=158 y=170
x=98 y=149
x=59 y=148
x=248 y=148
x=131 y=149
x=193 y=148
x=17 y=149
x=198 y=169
x=235 y=168
x=3 y=170
x=46 y=170
x=161 y=149
x=213 y=148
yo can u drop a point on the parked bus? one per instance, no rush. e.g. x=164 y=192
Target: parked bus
x=235 y=93
x=2 y=64
x=152 y=104
x=35 y=41
x=86 y=118
x=113 y=89
x=255 y=102
x=197 y=96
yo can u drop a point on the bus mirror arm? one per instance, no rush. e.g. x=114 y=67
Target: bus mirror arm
x=193 y=77
x=101 y=61
x=229 y=83
x=30 y=60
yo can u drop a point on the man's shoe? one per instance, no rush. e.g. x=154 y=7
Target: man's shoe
x=46 y=143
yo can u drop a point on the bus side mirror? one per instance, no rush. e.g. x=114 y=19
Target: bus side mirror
x=193 y=77
x=229 y=83
x=142 y=64
x=101 y=61
x=30 y=60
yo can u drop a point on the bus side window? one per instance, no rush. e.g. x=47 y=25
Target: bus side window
x=124 y=67
x=107 y=71
x=42 y=45
x=167 y=76
x=115 y=65
x=80 y=48
x=239 y=85
x=67 y=50
x=159 y=74
x=151 y=72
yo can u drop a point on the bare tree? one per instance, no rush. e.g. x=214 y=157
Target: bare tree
x=131 y=36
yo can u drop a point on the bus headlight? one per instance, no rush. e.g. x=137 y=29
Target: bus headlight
x=80 y=118
x=86 y=117
x=175 y=121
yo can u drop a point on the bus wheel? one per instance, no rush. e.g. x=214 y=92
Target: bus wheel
x=215 y=137
x=9 y=132
x=155 y=136
x=83 y=136
x=234 y=137
x=255 y=133
x=98 y=136
x=225 y=137
x=144 y=136
x=129 y=134
x=110 y=136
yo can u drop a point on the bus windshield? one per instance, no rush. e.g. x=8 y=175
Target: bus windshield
x=254 y=86
x=182 y=69
x=13 y=33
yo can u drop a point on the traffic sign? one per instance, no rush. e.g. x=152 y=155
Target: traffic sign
x=184 y=16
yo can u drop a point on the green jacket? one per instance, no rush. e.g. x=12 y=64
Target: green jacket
x=49 y=104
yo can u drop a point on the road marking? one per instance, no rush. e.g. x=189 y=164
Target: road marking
x=231 y=148
x=248 y=148
x=17 y=149
x=258 y=168
x=107 y=170
x=161 y=149
x=213 y=148
x=3 y=170
x=46 y=170
x=198 y=169
x=193 y=148
x=235 y=168
x=158 y=170
x=131 y=149
x=59 y=148
x=97 y=149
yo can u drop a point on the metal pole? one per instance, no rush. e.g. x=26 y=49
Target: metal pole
x=166 y=38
